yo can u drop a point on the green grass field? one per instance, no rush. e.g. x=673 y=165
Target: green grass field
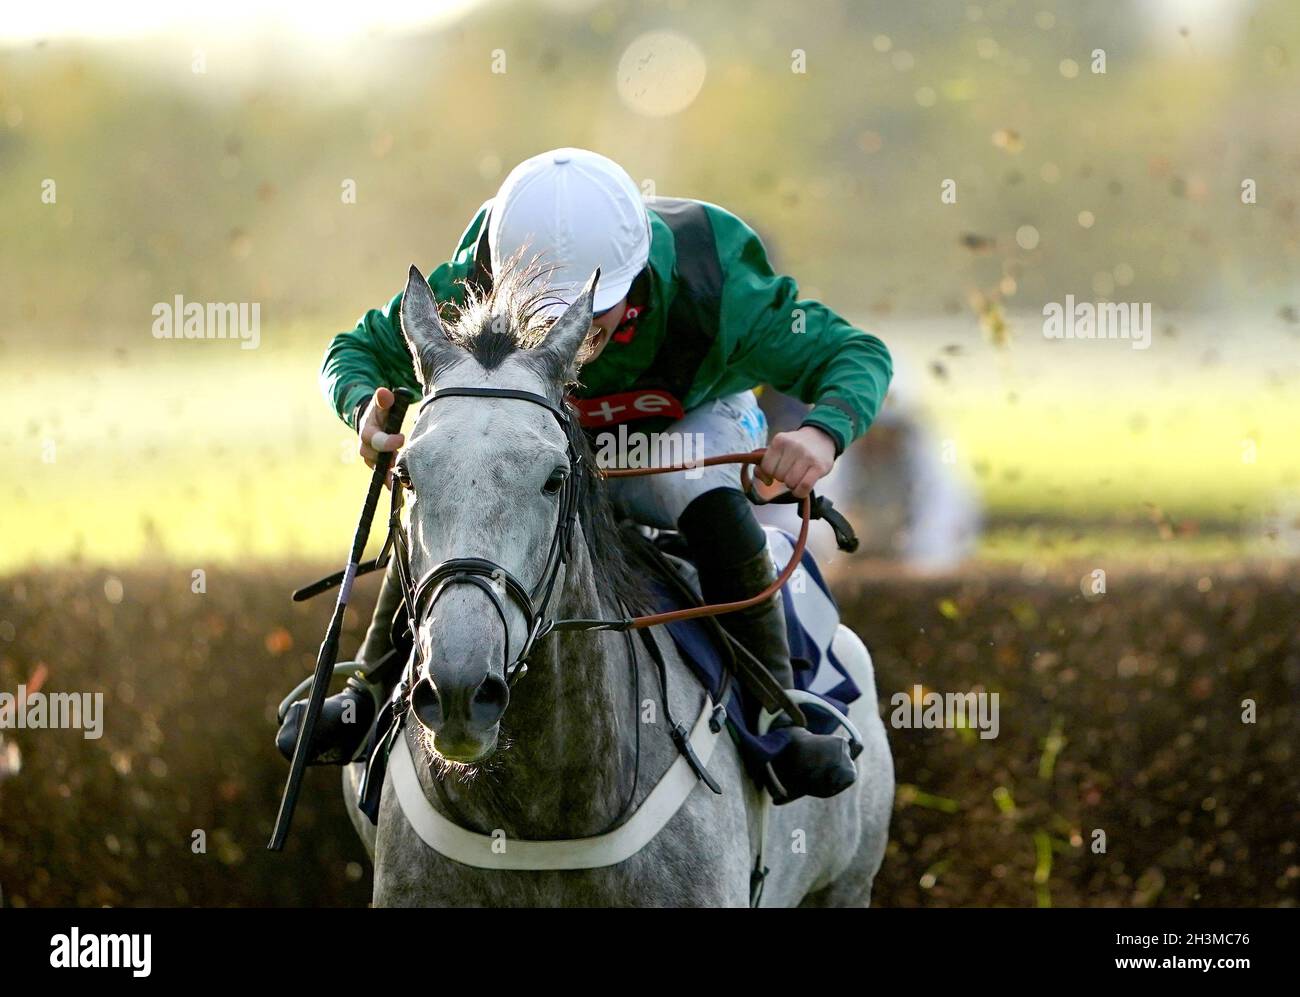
x=199 y=452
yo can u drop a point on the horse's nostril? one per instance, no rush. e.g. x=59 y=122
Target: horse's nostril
x=489 y=701
x=426 y=705
x=486 y=704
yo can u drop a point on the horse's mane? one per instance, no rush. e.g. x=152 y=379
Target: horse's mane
x=506 y=321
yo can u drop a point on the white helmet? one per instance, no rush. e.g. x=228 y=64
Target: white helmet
x=576 y=210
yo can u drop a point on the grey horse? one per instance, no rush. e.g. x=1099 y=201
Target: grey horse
x=582 y=743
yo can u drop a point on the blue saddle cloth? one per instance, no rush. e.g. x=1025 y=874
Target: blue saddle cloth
x=811 y=620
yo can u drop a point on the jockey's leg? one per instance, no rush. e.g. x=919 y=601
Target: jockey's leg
x=729 y=548
x=346 y=716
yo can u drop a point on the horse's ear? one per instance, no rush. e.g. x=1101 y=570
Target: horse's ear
x=422 y=328
x=569 y=332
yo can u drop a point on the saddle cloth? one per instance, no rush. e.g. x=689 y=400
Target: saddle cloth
x=811 y=620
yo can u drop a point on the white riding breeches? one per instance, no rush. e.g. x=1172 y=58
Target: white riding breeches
x=732 y=424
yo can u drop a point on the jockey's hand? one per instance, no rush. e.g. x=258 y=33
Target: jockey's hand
x=372 y=440
x=798 y=459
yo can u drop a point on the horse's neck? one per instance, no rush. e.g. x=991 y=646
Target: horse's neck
x=570 y=760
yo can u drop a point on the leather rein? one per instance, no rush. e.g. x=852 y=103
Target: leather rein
x=416 y=694
x=499 y=584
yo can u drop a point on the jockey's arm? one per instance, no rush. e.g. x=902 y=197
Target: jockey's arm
x=801 y=348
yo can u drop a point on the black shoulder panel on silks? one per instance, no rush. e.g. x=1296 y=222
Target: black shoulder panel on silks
x=480 y=277
x=695 y=311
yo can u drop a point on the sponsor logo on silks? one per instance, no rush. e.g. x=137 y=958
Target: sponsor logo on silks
x=610 y=410
x=627 y=328
x=754 y=422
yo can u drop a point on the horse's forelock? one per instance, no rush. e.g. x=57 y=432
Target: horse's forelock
x=509 y=320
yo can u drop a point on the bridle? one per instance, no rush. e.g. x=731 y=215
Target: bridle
x=489 y=576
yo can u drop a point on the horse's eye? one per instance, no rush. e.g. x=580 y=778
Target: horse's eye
x=556 y=481
x=402 y=475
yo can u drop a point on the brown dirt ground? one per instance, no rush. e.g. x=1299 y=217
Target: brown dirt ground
x=1121 y=714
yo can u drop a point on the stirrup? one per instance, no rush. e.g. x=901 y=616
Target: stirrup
x=766 y=719
x=346 y=742
x=807 y=699
x=352 y=668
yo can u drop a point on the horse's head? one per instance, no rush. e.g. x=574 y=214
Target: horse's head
x=491 y=482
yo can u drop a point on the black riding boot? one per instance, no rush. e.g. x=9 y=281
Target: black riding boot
x=730 y=552
x=347 y=716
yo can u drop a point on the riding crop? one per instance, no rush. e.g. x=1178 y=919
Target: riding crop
x=329 y=648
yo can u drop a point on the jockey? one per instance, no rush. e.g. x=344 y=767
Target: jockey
x=689 y=319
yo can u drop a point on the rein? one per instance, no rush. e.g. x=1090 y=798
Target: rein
x=499 y=584
x=496 y=581
x=746 y=460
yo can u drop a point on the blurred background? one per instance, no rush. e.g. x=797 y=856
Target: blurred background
x=300 y=157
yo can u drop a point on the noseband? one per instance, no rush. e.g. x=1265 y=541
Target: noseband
x=492 y=578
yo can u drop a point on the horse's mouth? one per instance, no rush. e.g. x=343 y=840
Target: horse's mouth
x=462 y=752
